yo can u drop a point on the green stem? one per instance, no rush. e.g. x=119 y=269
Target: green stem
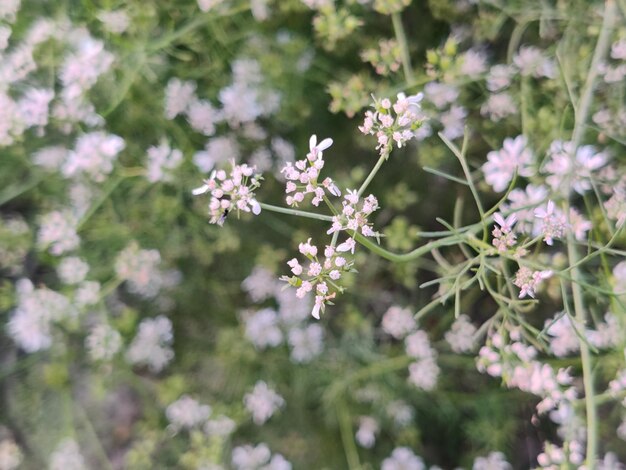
x=12 y=192
x=602 y=47
x=299 y=213
x=370 y=177
x=345 y=428
x=585 y=356
x=398 y=29
x=411 y=255
x=581 y=113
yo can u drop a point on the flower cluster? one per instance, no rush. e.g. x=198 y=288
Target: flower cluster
x=503 y=236
x=423 y=373
x=554 y=222
x=514 y=157
x=394 y=123
x=152 y=345
x=302 y=176
x=528 y=280
x=187 y=413
x=30 y=325
x=103 y=342
x=320 y=276
x=259 y=457
x=354 y=219
x=262 y=402
x=516 y=363
x=231 y=191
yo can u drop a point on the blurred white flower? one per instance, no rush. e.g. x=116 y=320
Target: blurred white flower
x=67 y=456
x=306 y=343
x=262 y=328
x=366 y=434
x=398 y=322
x=103 y=342
x=461 y=335
x=403 y=458
x=494 y=461
x=72 y=270
x=187 y=413
x=115 y=21
x=262 y=402
x=10 y=455
x=152 y=345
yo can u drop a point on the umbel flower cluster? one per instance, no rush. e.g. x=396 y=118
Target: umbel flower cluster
x=231 y=191
x=320 y=275
x=302 y=176
x=397 y=122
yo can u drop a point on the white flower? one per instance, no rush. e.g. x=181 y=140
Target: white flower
x=262 y=328
x=316 y=150
x=262 y=402
x=67 y=456
x=502 y=165
x=187 y=413
x=461 y=335
x=306 y=343
x=366 y=434
x=403 y=458
x=72 y=270
x=494 y=461
x=398 y=322
x=10 y=455
x=152 y=345
x=103 y=342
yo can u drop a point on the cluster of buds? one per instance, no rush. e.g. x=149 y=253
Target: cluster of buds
x=355 y=219
x=503 y=236
x=234 y=191
x=302 y=176
x=394 y=123
x=320 y=276
x=386 y=58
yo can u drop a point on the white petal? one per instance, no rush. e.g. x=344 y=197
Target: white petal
x=312 y=142
x=256 y=207
x=324 y=144
x=201 y=190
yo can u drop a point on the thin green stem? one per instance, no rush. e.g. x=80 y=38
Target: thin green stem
x=398 y=29
x=12 y=192
x=345 y=428
x=602 y=47
x=296 y=212
x=581 y=113
x=585 y=356
x=411 y=255
x=370 y=177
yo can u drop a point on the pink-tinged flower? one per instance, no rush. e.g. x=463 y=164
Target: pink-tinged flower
x=528 y=281
x=503 y=236
x=348 y=245
x=579 y=225
x=316 y=276
x=307 y=249
x=554 y=222
x=530 y=61
x=616 y=206
x=570 y=168
x=233 y=191
x=397 y=123
x=315 y=149
x=295 y=266
x=502 y=164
